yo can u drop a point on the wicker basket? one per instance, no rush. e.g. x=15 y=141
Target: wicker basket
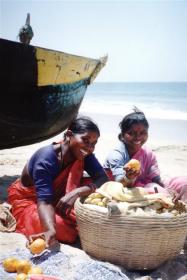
x=133 y=242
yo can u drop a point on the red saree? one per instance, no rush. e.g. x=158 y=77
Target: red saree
x=24 y=204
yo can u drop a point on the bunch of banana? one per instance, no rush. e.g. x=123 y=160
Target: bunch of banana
x=97 y=199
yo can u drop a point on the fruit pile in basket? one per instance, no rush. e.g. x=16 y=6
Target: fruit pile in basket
x=97 y=199
x=134 y=201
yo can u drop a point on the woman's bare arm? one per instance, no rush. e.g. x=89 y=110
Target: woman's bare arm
x=47 y=218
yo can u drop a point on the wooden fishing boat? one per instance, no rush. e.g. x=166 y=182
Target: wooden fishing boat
x=41 y=91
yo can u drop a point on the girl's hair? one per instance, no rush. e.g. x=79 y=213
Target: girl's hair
x=133 y=118
x=83 y=124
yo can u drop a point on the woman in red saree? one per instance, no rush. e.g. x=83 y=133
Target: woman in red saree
x=42 y=199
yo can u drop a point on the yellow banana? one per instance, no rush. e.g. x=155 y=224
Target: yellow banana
x=95 y=201
x=101 y=203
x=95 y=195
x=88 y=200
x=105 y=200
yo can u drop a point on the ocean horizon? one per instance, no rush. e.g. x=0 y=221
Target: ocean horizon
x=164 y=105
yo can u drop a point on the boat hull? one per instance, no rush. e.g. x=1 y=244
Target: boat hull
x=41 y=91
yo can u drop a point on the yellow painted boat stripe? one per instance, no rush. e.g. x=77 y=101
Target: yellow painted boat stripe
x=56 y=67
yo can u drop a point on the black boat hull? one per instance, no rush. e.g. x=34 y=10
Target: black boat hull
x=41 y=91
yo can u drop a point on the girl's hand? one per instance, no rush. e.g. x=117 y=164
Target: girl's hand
x=131 y=173
x=49 y=237
x=181 y=195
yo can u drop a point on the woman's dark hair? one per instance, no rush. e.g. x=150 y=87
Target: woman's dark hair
x=133 y=118
x=83 y=124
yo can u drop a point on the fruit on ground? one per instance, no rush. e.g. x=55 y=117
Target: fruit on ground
x=23 y=266
x=35 y=270
x=21 y=276
x=10 y=264
x=37 y=246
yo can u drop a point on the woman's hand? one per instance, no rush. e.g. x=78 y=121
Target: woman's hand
x=66 y=203
x=48 y=236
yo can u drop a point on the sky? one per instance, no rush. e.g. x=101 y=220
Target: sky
x=146 y=41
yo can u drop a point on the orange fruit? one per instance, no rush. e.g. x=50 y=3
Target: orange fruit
x=35 y=270
x=21 y=276
x=23 y=266
x=37 y=246
x=134 y=164
x=10 y=264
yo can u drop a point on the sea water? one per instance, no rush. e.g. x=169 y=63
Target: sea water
x=156 y=100
x=164 y=104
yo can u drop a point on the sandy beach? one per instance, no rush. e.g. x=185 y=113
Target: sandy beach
x=172 y=159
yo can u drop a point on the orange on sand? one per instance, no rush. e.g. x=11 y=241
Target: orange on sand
x=35 y=270
x=10 y=264
x=21 y=276
x=133 y=164
x=23 y=266
x=37 y=246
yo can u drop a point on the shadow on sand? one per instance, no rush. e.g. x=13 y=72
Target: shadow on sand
x=5 y=182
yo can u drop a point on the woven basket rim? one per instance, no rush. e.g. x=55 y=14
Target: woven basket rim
x=129 y=217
